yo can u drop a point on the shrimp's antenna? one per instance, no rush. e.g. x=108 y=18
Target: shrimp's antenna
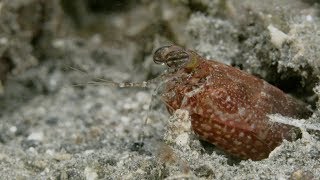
x=153 y=84
x=105 y=82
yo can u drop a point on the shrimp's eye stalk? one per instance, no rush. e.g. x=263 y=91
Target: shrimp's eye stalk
x=172 y=56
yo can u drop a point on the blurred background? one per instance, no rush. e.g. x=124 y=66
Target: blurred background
x=45 y=120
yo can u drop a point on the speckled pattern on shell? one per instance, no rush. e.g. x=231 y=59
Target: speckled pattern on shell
x=229 y=107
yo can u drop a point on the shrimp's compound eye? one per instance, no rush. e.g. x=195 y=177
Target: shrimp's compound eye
x=172 y=56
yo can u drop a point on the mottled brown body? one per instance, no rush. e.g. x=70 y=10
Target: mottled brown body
x=228 y=107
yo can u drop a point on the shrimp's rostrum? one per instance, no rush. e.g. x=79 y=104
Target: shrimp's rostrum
x=228 y=107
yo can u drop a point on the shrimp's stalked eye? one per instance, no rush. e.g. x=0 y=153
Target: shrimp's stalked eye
x=172 y=56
